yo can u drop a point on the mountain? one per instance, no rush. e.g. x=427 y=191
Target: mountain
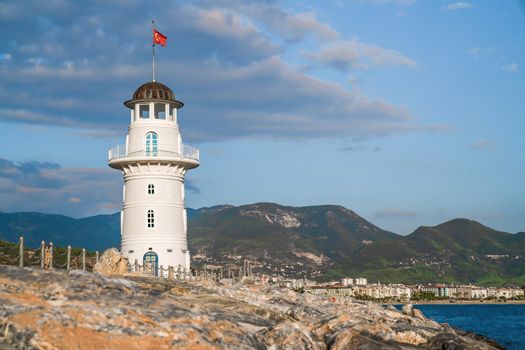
x=94 y=232
x=320 y=242
x=459 y=250
x=294 y=241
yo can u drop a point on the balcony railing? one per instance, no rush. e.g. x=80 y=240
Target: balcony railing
x=121 y=151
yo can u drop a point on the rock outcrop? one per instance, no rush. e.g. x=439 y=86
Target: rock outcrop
x=111 y=263
x=42 y=309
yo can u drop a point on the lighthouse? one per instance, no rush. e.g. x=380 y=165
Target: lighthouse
x=154 y=162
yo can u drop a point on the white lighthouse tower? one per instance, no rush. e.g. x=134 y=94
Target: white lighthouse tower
x=154 y=162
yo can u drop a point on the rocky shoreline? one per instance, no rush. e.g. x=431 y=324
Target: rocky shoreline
x=462 y=302
x=42 y=309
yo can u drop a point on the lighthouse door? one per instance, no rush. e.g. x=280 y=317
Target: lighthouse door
x=151 y=261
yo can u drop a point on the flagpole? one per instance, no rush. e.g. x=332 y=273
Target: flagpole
x=153 y=53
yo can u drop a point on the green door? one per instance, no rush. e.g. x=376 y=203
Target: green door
x=151 y=262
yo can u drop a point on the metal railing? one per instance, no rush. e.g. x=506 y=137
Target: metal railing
x=121 y=151
x=214 y=273
x=46 y=256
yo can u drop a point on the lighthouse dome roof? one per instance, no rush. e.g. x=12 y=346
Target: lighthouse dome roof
x=153 y=90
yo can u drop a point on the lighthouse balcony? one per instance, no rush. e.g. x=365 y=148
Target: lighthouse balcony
x=188 y=154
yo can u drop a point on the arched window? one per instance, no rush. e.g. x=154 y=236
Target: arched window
x=152 y=141
x=151 y=218
x=151 y=189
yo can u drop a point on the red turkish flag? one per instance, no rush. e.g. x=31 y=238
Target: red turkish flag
x=159 y=38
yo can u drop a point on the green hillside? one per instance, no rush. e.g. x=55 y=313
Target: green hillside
x=456 y=251
x=93 y=233
x=321 y=242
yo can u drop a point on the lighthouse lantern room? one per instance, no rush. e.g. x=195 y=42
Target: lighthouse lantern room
x=154 y=162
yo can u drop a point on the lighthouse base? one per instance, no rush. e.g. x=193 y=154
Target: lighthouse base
x=153 y=257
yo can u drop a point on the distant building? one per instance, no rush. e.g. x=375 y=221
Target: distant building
x=360 y=281
x=264 y=279
x=463 y=292
x=478 y=293
x=293 y=283
x=347 y=281
x=439 y=290
x=508 y=293
x=349 y=288
x=341 y=292
x=374 y=291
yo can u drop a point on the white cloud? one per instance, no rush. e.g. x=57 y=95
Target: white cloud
x=293 y=27
x=475 y=51
x=288 y=25
x=360 y=148
x=5 y=57
x=478 y=51
x=483 y=145
x=57 y=189
x=267 y=98
x=230 y=26
x=102 y=133
x=395 y=2
x=220 y=61
x=395 y=213
x=272 y=99
x=460 y=5
x=30 y=117
x=44 y=187
x=343 y=55
x=511 y=67
x=6 y=10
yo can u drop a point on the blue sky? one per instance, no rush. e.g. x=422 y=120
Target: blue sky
x=408 y=112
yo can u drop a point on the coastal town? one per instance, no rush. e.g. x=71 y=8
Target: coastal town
x=360 y=288
x=348 y=288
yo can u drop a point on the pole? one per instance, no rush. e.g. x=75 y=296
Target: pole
x=42 y=253
x=68 y=257
x=21 y=251
x=153 y=53
x=51 y=255
x=83 y=259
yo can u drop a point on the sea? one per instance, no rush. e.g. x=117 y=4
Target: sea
x=505 y=323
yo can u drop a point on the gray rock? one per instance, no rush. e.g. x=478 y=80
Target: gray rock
x=408 y=309
x=418 y=314
x=111 y=263
x=45 y=309
x=391 y=308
